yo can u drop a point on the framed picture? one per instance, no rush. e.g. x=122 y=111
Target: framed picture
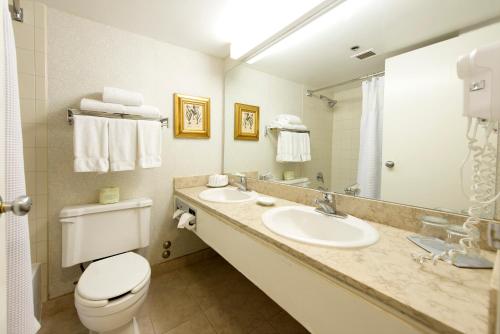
x=191 y=116
x=246 y=122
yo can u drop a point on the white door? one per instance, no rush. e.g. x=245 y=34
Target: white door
x=424 y=130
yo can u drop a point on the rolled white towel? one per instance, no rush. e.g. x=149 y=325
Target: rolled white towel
x=122 y=96
x=288 y=119
x=94 y=105
x=144 y=111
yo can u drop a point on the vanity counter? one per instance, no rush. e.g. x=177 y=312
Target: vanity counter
x=442 y=297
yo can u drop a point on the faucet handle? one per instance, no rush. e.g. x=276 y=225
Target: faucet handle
x=328 y=196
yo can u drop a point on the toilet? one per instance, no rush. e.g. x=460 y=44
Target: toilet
x=113 y=287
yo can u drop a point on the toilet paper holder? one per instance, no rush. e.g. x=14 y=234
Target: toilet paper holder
x=181 y=205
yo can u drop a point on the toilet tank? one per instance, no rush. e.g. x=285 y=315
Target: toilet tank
x=94 y=231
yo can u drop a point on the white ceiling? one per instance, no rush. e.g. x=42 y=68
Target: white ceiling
x=203 y=25
x=189 y=23
x=319 y=55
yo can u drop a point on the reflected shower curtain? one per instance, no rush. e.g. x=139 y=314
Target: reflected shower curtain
x=20 y=310
x=370 y=145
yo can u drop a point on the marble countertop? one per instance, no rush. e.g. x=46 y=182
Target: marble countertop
x=442 y=297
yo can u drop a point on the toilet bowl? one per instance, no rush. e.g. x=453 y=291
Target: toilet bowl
x=112 y=289
x=111 y=292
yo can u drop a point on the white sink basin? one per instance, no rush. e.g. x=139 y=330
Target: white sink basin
x=227 y=195
x=302 y=223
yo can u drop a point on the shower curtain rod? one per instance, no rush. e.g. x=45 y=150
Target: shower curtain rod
x=348 y=81
x=17 y=11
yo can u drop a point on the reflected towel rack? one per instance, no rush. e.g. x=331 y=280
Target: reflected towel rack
x=269 y=128
x=72 y=112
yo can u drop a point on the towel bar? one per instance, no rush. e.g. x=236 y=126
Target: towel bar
x=72 y=112
x=268 y=128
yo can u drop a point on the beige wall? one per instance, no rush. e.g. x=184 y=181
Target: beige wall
x=85 y=56
x=274 y=96
x=345 y=137
x=30 y=37
x=318 y=117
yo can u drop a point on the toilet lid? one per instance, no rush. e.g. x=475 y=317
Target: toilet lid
x=113 y=276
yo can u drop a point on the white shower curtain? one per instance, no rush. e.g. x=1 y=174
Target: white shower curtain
x=370 y=149
x=20 y=309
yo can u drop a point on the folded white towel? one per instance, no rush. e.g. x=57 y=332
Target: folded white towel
x=144 y=111
x=90 y=144
x=94 y=105
x=122 y=96
x=288 y=119
x=293 y=147
x=280 y=125
x=122 y=144
x=149 y=143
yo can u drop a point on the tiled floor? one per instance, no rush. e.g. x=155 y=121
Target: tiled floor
x=207 y=297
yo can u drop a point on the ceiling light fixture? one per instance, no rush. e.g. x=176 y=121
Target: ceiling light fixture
x=332 y=12
x=245 y=24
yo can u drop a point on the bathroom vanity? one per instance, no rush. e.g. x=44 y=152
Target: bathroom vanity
x=329 y=289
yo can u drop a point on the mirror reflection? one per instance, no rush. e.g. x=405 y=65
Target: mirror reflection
x=363 y=101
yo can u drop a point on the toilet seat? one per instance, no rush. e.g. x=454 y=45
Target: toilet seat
x=113 y=277
x=112 y=315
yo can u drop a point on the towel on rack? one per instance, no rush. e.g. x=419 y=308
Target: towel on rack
x=122 y=144
x=288 y=119
x=144 y=111
x=149 y=139
x=94 y=105
x=90 y=143
x=122 y=96
x=293 y=147
x=287 y=126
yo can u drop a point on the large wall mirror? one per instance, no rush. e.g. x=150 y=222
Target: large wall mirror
x=364 y=101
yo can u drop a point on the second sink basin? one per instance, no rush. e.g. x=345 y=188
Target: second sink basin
x=303 y=223
x=227 y=195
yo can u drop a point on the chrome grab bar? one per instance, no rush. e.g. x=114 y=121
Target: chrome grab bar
x=20 y=206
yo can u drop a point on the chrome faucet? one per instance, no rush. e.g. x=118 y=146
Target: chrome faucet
x=327 y=205
x=242 y=185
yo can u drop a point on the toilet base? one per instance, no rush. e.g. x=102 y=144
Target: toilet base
x=129 y=328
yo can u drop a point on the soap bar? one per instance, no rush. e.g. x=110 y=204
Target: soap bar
x=109 y=195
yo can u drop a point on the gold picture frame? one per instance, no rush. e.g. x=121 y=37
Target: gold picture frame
x=246 y=122
x=191 y=116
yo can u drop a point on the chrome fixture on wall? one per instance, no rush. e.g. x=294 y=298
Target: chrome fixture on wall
x=17 y=11
x=331 y=102
x=72 y=111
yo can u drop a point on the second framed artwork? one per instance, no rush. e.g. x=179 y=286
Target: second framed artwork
x=191 y=116
x=246 y=122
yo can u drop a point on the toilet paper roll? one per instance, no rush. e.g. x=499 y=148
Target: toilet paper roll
x=187 y=221
x=178 y=213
